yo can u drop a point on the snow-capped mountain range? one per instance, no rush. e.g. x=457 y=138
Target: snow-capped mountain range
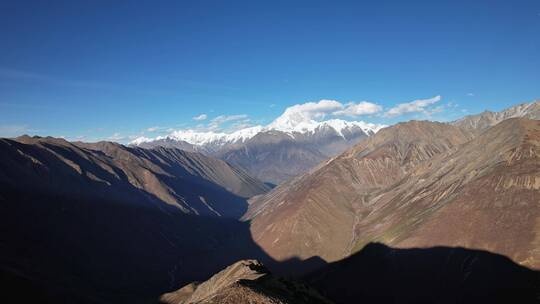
x=290 y=127
x=290 y=145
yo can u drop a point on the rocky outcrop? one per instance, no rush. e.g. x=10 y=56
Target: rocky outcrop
x=246 y=281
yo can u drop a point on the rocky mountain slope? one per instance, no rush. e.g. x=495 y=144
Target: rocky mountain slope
x=192 y=182
x=413 y=184
x=102 y=223
x=273 y=156
x=273 y=153
x=320 y=207
x=480 y=122
x=246 y=281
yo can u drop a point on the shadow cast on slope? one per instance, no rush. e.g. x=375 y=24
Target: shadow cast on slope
x=381 y=274
x=80 y=250
x=177 y=179
x=68 y=238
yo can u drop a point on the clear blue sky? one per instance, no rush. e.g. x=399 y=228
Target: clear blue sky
x=99 y=68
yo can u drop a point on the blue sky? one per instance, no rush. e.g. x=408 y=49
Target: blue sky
x=101 y=70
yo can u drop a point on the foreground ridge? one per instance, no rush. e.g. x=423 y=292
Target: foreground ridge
x=246 y=281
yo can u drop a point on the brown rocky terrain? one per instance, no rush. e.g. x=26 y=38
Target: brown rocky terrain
x=246 y=281
x=320 y=208
x=413 y=184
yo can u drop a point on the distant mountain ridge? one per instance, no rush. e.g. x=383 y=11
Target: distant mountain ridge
x=274 y=153
x=480 y=122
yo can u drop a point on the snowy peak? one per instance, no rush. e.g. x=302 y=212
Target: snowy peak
x=342 y=125
x=285 y=124
x=299 y=122
x=199 y=138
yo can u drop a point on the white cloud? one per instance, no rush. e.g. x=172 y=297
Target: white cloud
x=356 y=109
x=116 y=137
x=312 y=111
x=412 y=107
x=217 y=122
x=470 y=94
x=303 y=116
x=306 y=112
x=200 y=117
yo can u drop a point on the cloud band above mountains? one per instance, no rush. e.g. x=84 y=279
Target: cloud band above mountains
x=415 y=106
x=303 y=117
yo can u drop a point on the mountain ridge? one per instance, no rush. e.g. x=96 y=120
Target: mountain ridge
x=480 y=122
x=163 y=172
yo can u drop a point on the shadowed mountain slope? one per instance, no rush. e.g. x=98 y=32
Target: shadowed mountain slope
x=381 y=274
x=192 y=182
x=103 y=223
